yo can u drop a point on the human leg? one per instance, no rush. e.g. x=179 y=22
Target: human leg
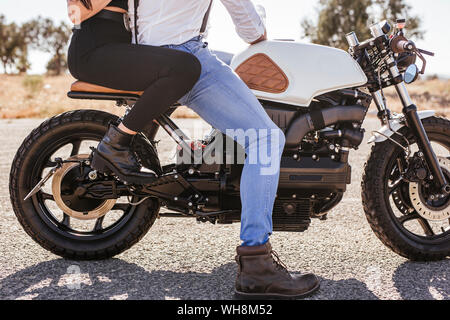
x=163 y=74
x=224 y=101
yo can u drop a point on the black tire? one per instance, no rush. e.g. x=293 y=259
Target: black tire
x=379 y=213
x=41 y=143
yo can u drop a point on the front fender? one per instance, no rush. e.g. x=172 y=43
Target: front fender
x=396 y=124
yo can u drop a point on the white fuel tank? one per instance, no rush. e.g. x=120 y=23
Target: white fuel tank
x=294 y=73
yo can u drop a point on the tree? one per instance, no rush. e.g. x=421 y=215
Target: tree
x=51 y=38
x=394 y=9
x=57 y=40
x=57 y=64
x=30 y=35
x=12 y=44
x=336 y=18
x=40 y=34
x=22 y=64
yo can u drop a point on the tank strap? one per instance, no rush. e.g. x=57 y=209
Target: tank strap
x=317 y=117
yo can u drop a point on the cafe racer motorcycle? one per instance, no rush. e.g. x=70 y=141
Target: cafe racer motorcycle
x=319 y=97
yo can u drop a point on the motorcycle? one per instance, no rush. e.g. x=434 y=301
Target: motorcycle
x=319 y=96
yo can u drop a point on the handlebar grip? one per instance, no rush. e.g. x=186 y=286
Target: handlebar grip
x=405 y=46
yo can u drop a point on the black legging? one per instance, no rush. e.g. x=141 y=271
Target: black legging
x=101 y=53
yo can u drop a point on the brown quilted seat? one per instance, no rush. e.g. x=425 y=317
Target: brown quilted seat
x=261 y=73
x=80 y=86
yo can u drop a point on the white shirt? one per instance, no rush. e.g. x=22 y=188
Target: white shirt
x=164 y=22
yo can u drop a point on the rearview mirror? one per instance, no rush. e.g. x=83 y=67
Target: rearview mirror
x=411 y=74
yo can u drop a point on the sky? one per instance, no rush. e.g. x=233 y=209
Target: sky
x=283 y=21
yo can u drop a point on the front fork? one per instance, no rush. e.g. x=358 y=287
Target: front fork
x=415 y=125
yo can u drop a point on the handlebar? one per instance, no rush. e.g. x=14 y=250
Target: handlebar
x=399 y=44
x=405 y=50
x=405 y=46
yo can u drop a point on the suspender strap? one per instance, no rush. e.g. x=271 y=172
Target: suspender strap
x=206 y=18
x=136 y=32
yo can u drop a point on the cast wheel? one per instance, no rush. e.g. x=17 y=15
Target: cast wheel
x=69 y=226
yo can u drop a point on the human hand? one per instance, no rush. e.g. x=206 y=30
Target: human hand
x=260 y=39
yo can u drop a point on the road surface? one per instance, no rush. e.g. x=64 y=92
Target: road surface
x=180 y=259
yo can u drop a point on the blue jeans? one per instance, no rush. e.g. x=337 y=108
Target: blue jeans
x=223 y=100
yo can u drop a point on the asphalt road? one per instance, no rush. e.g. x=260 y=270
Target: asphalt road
x=180 y=259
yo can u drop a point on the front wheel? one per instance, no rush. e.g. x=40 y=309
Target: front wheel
x=401 y=204
x=55 y=217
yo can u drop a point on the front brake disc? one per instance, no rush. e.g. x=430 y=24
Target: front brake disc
x=424 y=209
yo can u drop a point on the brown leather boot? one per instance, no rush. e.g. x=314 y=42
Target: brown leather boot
x=262 y=275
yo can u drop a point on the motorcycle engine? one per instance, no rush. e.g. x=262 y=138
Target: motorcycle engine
x=313 y=178
x=309 y=188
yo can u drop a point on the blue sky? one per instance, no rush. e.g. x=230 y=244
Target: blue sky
x=283 y=21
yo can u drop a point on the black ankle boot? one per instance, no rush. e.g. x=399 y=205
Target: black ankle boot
x=113 y=154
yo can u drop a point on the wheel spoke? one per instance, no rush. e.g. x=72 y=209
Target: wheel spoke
x=426 y=227
x=47 y=196
x=409 y=217
x=66 y=220
x=395 y=186
x=75 y=147
x=423 y=222
x=121 y=206
x=99 y=223
x=50 y=164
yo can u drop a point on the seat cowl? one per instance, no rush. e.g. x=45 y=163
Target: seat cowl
x=81 y=86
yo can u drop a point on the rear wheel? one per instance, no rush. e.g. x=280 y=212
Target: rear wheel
x=72 y=227
x=409 y=216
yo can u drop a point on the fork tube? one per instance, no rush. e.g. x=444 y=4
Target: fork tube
x=381 y=106
x=379 y=101
x=404 y=94
x=415 y=124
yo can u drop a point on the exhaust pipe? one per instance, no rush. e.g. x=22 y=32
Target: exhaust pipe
x=304 y=124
